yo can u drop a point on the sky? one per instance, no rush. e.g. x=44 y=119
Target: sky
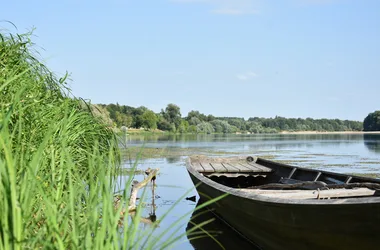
x=240 y=58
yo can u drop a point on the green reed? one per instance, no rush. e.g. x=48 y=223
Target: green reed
x=58 y=164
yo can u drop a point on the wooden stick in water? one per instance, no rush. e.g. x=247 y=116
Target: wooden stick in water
x=136 y=187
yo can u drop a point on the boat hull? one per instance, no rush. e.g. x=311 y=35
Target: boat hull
x=221 y=232
x=276 y=225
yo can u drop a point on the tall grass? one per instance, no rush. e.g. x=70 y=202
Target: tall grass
x=58 y=164
x=37 y=102
x=56 y=159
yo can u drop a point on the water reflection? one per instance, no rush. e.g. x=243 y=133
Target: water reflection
x=239 y=137
x=223 y=234
x=173 y=159
x=251 y=142
x=372 y=142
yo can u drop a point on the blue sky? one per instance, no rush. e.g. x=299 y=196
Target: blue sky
x=244 y=58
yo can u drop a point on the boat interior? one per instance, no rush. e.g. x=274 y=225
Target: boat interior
x=272 y=179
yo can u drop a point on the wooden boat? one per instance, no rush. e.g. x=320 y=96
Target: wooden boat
x=278 y=206
x=222 y=234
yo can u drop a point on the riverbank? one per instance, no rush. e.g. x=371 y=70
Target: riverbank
x=329 y=132
x=134 y=131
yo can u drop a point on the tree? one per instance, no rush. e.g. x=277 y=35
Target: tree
x=192 y=129
x=149 y=120
x=137 y=116
x=223 y=127
x=163 y=124
x=122 y=119
x=172 y=114
x=194 y=121
x=218 y=126
x=210 y=118
x=170 y=120
x=191 y=114
x=255 y=127
x=205 y=127
x=197 y=114
x=239 y=123
x=372 y=122
x=183 y=127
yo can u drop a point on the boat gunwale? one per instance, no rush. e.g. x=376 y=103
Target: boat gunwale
x=277 y=200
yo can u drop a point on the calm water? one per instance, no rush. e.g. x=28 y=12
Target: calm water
x=345 y=153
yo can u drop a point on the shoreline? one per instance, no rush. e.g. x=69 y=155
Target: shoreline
x=329 y=132
x=160 y=132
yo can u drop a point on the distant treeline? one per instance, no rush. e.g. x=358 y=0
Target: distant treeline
x=170 y=119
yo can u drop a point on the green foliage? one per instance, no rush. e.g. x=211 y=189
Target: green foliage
x=238 y=123
x=183 y=127
x=223 y=127
x=149 y=120
x=123 y=119
x=196 y=114
x=308 y=124
x=163 y=124
x=205 y=127
x=125 y=115
x=170 y=120
x=372 y=122
x=194 y=121
x=172 y=114
x=192 y=129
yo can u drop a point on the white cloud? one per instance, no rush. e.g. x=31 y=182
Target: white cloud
x=226 y=7
x=246 y=76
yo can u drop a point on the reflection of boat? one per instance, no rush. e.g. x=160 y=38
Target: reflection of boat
x=225 y=235
x=283 y=207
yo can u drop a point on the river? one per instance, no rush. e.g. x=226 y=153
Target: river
x=344 y=153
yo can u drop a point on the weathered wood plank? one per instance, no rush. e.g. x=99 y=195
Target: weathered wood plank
x=253 y=168
x=198 y=167
x=239 y=167
x=313 y=194
x=255 y=165
x=220 y=168
x=231 y=168
x=207 y=167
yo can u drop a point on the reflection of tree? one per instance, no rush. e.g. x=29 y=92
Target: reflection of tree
x=173 y=159
x=372 y=142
